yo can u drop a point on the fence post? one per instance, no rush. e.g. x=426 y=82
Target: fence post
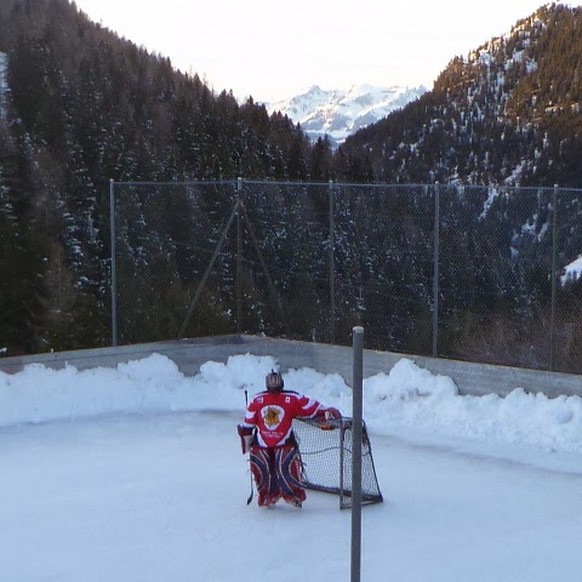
x=331 y=263
x=356 y=553
x=554 y=278
x=113 y=259
x=239 y=185
x=435 y=276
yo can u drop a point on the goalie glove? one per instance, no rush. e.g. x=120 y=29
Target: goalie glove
x=246 y=434
x=332 y=414
x=326 y=415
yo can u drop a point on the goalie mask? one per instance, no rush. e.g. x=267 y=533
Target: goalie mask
x=274 y=381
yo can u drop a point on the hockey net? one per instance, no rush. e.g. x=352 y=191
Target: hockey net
x=326 y=454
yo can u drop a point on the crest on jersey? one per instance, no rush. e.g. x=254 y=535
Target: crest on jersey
x=272 y=415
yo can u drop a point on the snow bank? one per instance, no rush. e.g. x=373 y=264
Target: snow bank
x=404 y=399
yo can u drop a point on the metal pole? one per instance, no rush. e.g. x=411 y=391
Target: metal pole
x=113 y=263
x=238 y=259
x=331 y=264
x=554 y=279
x=357 y=350
x=435 y=276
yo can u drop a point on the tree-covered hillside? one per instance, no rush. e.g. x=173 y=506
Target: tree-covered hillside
x=509 y=113
x=106 y=108
x=80 y=106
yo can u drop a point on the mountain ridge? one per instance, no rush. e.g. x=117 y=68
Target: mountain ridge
x=507 y=113
x=338 y=113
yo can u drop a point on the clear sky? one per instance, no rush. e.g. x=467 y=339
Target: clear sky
x=273 y=50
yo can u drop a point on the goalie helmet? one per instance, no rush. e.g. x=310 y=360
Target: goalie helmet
x=274 y=381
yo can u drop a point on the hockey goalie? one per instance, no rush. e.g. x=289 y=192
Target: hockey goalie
x=267 y=435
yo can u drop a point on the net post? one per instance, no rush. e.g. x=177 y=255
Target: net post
x=356 y=542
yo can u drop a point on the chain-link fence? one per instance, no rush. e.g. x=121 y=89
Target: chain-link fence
x=472 y=273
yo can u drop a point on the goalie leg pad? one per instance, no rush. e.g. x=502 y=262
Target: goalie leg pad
x=289 y=474
x=264 y=474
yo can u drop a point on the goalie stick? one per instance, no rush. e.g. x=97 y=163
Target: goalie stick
x=250 y=497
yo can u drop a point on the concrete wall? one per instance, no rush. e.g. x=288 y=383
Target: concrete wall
x=190 y=354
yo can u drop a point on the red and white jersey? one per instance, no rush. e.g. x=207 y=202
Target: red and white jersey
x=273 y=412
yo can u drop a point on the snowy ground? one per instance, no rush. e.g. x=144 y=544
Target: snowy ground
x=135 y=474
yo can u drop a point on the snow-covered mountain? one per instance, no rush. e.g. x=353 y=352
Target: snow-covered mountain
x=339 y=113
